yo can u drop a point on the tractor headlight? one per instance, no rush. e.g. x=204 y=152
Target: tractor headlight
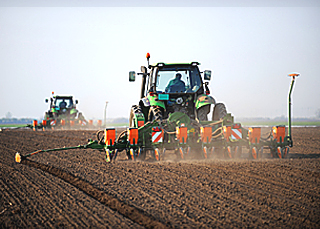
x=179 y=100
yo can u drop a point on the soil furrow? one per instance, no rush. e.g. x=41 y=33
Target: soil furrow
x=260 y=192
x=128 y=211
x=192 y=193
x=202 y=194
x=287 y=187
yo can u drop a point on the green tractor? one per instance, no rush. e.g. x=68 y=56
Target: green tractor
x=63 y=111
x=174 y=87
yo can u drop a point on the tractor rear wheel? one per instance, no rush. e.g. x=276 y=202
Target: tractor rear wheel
x=134 y=109
x=219 y=112
x=131 y=118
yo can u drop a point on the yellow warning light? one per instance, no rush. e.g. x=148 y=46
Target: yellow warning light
x=18 y=157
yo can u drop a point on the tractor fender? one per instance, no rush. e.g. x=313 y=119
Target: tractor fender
x=73 y=111
x=152 y=101
x=203 y=100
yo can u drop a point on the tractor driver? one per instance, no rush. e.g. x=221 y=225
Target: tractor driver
x=176 y=84
x=63 y=104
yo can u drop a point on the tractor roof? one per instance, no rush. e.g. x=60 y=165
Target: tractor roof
x=160 y=64
x=63 y=96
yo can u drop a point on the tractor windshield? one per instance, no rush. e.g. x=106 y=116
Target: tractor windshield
x=61 y=102
x=178 y=80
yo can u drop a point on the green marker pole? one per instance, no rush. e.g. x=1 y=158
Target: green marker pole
x=293 y=75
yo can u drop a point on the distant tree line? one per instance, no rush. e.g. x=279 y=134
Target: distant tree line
x=318 y=113
x=118 y=120
x=30 y=120
x=281 y=118
x=16 y=120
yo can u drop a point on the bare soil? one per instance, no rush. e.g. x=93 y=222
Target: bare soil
x=77 y=188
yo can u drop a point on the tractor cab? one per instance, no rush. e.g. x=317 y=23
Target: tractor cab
x=175 y=78
x=62 y=102
x=172 y=87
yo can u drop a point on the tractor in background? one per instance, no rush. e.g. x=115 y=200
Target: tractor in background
x=63 y=112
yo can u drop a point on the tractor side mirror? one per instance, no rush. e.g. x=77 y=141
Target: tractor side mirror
x=132 y=76
x=207 y=75
x=46 y=100
x=76 y=101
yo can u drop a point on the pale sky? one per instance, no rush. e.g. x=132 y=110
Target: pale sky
x=89 y=51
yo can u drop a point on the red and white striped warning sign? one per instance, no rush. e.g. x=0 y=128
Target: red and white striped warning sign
x=53 y=122
x=157 y=136
x=236 y=134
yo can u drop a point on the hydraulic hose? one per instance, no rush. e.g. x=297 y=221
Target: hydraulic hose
x=100 y=140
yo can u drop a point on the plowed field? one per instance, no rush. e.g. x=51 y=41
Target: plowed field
x=77 y=188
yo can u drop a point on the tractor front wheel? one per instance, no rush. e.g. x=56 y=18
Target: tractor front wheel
x=155 y=113
x=203 y=113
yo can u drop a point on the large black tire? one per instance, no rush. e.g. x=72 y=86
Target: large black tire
x=131 y=118
x=203 y=112
x=219 y=112
x=134 y=109
x=48 y=115
x=155 y=113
